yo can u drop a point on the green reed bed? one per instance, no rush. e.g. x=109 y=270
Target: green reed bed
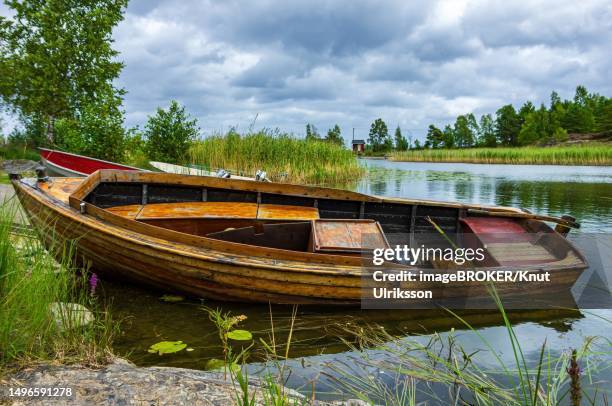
x=437 y=370
x=32 y=283
x=282 y=156
x=599 y=154
x=443 y=372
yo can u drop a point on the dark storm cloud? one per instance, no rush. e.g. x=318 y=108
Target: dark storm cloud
x=348 y=62
x=332 y=28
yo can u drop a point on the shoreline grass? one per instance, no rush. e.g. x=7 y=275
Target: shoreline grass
x=581 y=155
x=37 y=298
x=283 y=157
x=413 y=371
x=442 y=371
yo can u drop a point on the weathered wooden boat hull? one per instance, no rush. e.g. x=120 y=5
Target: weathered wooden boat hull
x=68 y=164
x=203 y=267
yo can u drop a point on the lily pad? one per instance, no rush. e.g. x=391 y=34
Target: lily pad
x=240 y=335
x=167 y=347
x=172 y=298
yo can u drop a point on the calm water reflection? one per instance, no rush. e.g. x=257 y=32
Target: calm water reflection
x=584 y=192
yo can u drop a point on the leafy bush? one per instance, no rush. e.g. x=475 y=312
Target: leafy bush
x=97 y=132
x=135 y=149
x=169 y=134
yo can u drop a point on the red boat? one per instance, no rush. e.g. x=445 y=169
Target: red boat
x=73 y=165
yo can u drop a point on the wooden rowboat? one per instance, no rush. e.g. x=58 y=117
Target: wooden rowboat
x=185 y=170
x=67 y=164
x=239 y=240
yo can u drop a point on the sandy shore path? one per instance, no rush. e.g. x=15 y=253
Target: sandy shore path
x=7 y=195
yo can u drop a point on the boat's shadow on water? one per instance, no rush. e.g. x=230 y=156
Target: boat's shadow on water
x=146 y=319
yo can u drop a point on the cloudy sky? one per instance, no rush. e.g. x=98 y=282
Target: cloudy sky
x=348 y=62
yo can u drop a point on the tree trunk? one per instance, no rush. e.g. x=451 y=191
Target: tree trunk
x=50 y=130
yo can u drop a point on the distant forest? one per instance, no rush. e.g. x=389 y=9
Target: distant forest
x=586 y=113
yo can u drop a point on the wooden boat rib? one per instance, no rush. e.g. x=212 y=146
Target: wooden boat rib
x=250 y=241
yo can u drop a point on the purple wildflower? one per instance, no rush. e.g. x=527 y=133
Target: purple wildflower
x=93 y=282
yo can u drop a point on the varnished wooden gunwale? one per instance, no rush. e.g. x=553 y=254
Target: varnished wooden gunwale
x=214 y=269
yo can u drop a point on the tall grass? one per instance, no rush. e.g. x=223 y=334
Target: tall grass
x=442 y=371
x=282 y=156
x=591 y=154
x=30 y=282
x=271 y=387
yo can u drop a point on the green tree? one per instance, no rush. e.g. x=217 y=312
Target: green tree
x=311 y=133
x=579 y=119
x=434 y=137
x=554 y=100
x=96 y=131
x=401 y=143
x=334 y=136
x=507 y=125
x=56 y=57
x=531 y=131
x=169 y=134
x=541 y=126
x=579 y=116
x=464 y=136
x=486 y=135
x=604 y=118
x=378 y=137
x=526 y=109
x=448 y=137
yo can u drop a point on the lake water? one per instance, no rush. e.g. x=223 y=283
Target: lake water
x=584 y=192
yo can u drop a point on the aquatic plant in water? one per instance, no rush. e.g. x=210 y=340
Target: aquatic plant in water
x=167 y=347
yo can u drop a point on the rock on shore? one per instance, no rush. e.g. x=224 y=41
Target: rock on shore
x=122 y=383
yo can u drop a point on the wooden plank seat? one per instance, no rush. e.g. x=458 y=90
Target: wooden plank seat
x=347 y=236
x=209 y=210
